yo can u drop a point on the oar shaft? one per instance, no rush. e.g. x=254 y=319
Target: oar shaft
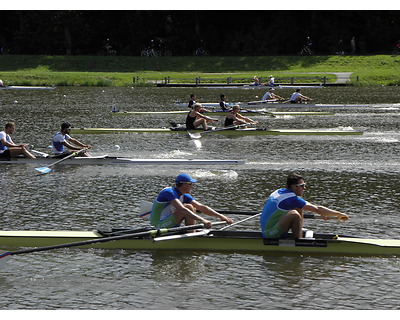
x=233 y=224
x=63 y=159
x=151 y=233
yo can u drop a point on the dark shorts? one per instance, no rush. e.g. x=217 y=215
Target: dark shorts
x=5 y=154
x=62 y=155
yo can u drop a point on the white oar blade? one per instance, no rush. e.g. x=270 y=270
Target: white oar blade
x=43 y=169
x=4 y=256
x=196 y=135
x=145 y=208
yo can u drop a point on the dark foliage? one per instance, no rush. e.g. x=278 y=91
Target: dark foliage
x=222 y=33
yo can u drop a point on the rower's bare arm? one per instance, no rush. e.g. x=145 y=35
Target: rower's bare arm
x=326 y=212
x=210 y=212
x=188 y=213
x=78 y=143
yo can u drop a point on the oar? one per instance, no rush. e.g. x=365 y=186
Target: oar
x=233 y=224
x=261 y=112
x=151 y=233
x=48 y=169
x=197 y=135
x=145 y=210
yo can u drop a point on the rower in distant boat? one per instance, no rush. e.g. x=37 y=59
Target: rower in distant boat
x=62 y=140
x=256 y=81
x=8 y=149
x=192 y=101
x=271 y=81
x=284 y=210
x=235 y=118
x=174 y=205
x=297 y=97
x=223 y=105
x=195 y=119
x=1 y=83
x=270 y=95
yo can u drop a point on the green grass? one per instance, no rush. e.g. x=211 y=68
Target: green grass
x=121 y=71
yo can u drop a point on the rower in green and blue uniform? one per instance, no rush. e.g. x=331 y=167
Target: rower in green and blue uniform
x=174 y=205
x=283 y=210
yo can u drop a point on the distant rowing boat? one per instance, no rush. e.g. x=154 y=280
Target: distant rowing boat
x=106 y=160
x=27 y=88
x=252 y=87
x=279 y=104
x=237 y=132
x=215 y=241
x=223 y=113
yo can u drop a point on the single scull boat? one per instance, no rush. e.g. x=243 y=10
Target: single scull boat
x=27 y=88
x=106 y=160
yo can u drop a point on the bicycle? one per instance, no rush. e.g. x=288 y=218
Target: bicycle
x=106 y=51
x=4 y=50
x=155 y=53
x=200 y=52
x=150 y=52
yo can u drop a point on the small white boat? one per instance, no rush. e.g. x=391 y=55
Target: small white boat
x=107 y=160
x=27 y=88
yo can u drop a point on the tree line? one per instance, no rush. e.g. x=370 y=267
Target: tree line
x=223 y=33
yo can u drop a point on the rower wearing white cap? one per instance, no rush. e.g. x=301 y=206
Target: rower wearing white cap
x=270 y=95
x=174 y=205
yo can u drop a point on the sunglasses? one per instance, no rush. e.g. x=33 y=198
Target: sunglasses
x=189 y=183
x=303 y=185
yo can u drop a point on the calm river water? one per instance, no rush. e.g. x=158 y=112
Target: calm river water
x=358 y=175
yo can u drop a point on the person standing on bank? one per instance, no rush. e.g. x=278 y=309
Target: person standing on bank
x=174 y=205
x=283 y=210
x=63 y=140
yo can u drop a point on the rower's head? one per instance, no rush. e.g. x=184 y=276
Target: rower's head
x=185 y=182
x=66 y=126
x=295 y=182
x=197 y=106
x=222 y=97
x=298 y=90
x=236 y=108
x=192 y=96
x=271 y=89
x=10 y=127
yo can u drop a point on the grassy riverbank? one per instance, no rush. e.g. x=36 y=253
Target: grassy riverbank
x=121 y=71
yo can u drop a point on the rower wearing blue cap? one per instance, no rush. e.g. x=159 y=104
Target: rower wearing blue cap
x=174 y=205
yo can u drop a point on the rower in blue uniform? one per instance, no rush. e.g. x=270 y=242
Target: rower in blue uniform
x=174 y=205
x=283 y=210
x=64 y=144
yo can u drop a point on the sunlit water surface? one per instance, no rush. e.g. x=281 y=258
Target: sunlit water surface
x=354 y=174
